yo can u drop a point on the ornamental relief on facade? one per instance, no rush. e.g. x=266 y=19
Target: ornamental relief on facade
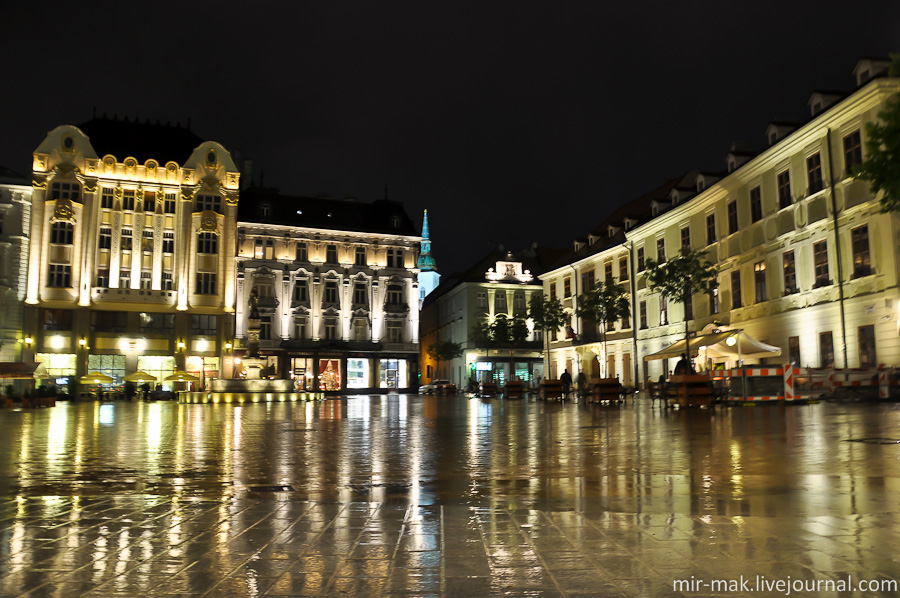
x=63 y=211
x=208 y=221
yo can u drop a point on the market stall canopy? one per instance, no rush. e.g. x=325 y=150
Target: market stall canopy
x=182 y=377
x=728 y=343
x=139 y=376
x=23 y=370
x=96 y=378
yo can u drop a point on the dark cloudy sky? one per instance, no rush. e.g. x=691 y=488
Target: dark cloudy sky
x=509 y=121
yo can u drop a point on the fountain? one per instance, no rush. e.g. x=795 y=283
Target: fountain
x=254 y=388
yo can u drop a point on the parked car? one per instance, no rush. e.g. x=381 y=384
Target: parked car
x=436 y=386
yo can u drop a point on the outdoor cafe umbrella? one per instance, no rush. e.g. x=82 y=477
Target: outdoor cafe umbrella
x=182 y=377
x=139 y=376
x=95 y=378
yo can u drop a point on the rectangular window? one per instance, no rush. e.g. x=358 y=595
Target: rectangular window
x=105 y=238
x=208 y=202
x=860 y=241
x=783 y=181
x=168 y=244
x=826 y=350
x=820 y=263
x=714 y=301
x=167 y=281
x=663 y=310
x=331 y=255
x=394 y=258
x=301 y=292
x=640 y=259
x=265 y=327
x=394 y=331
x=146 y=280
x=481 y=299
x=331 y=294
x=661 y=251
x=147 y=242
x=59 y=276
x=710 y=229
x=206 y=283
x=867 y=357
x=732 y=217
x=109 y=321
x=330 y=329
x=360 y=330
x=686 y=237
x=57 y=319
x=128 y=199
x=395 y=295
x=736 y=298
x=300 y=328
x=153 y=323
x=204 y=325
x=607 y=275
x=208 y=243
x=623 y=269
x=124 y=279
x=359 y=294
x=149 y=201
x=552 y=292
x=790 y=273
x=62 y=233
x=126 y=239
x=759 y=281
x=755 y=205
x=794 y=351
x=689 y=308
x=360 y=256
x=500 y=302
x=852 y=152
x=519 y=301
x=567 y=287
x=103 y=277
x=106 y=198
x=814 y=173
x=65 y=191
x=169 y=205
x=301 y=252
x=269 y=253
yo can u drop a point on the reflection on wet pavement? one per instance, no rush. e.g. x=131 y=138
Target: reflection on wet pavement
x=424 y=496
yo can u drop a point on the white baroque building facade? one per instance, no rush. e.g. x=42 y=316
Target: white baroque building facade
x=336 y=282
x=807 y=261
x=131 y=251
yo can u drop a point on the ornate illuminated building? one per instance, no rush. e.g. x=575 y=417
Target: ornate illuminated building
x=807 y=261
x=132 y=238
x=15 y=214
x=337 y=290
x=466 y=305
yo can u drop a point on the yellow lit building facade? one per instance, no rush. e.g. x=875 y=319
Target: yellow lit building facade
x=15 y=213
x=807 y=261
x=132 y=237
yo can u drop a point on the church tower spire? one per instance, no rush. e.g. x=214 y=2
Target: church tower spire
x=428 y=276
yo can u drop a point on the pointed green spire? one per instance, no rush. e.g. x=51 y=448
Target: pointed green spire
x=425 y=262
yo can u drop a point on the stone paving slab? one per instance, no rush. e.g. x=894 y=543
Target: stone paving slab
x=153 y=546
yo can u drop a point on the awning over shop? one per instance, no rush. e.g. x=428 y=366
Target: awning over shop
x=23 y=370
x=719 y=345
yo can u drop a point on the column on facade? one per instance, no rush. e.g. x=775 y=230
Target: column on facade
x=37 y=252
x=413 y=302
x=285 y=303
x=90 y=217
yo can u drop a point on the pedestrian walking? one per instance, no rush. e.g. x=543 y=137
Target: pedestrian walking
x=566 y=380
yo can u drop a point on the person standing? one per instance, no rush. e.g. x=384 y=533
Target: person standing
x=566 y=380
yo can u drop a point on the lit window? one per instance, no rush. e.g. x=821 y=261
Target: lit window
x=860 y=242
x=759 y=279
x=126 y=239
x=790 y=273
x=663 y=310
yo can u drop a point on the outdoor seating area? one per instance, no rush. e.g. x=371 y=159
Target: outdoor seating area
x=514 y=389
x=606 y=390
x=551 y=389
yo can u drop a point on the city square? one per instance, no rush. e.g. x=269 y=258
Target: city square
x=407 y=495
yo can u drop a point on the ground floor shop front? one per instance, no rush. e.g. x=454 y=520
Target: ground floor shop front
x=341 y=372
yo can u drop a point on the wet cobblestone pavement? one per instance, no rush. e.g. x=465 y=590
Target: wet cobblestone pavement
x=422 y=496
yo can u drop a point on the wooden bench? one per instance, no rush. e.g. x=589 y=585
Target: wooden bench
x=657 y=391
x=606 y=390
x=551 y=389
x=445 y=389
x=690 y=390
x=488 y=389
x=514 y=389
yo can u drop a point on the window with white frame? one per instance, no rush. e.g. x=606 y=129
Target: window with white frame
x=331 y=328
x=331 y=291
x=394 y=294
x=331 y=254
x=394 y=258
x=359 y=293
x=731 y=209
x=519 y=300
x=301 y=290
x=500 y=302
x=481 y=299
x=300 y=326
x=360 y=329
x=394 y=331
x=265 y=327
x=302 y=255
x=360 y=256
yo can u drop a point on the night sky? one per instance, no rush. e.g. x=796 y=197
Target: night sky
x=511 y=122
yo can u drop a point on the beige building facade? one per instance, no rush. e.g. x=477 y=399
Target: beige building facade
x=807 y=261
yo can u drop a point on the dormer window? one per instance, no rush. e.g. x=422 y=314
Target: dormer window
x=265 y=210
x=395 y=221
x=701 y=185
